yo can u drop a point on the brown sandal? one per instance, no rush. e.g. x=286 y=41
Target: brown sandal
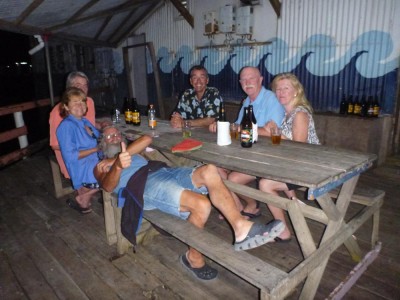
x=74 y=205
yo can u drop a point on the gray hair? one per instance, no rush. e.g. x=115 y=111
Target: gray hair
x=73 y=75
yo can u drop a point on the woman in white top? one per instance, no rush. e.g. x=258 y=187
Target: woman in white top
x=297 y=125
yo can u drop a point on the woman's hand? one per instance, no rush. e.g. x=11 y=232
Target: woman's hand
x=269 y=126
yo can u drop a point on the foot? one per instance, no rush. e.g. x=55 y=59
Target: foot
x=251 y=213
x=74 y=205
x=260 y=234
x=204 y=273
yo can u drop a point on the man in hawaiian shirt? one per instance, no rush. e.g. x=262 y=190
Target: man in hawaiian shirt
x=199 y=104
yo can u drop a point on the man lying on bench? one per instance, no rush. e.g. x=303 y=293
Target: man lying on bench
x=180 y=192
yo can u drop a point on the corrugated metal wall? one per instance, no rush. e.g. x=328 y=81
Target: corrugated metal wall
x=335 y=47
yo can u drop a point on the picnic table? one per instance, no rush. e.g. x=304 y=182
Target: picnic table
x=323 y=171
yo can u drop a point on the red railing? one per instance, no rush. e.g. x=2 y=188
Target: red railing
x=20 y=132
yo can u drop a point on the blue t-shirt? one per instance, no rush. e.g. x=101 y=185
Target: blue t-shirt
x=266 y=107
x=73 y=137
x=137 y=162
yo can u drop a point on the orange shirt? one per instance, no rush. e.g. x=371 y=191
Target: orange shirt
x=55 y=120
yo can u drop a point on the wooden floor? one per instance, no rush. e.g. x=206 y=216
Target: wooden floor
x=49 y=251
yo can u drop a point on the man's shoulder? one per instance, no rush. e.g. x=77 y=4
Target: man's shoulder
x=212 y=89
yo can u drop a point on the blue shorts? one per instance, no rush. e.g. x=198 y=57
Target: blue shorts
x=164 y=188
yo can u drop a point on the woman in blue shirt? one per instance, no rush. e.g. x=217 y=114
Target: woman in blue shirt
x=78 y=144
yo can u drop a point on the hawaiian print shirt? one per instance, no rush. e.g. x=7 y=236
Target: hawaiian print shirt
x=190 y=108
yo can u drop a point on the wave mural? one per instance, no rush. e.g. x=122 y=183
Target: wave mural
x=364 y=68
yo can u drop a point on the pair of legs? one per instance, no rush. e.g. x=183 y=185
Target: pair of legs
x=181 y=191
x=83 y=199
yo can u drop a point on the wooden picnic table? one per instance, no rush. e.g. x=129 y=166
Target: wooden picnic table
x=320 y=169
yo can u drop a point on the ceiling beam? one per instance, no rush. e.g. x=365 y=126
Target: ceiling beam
x=184 y=12
x=82 y=10
x=114 y=34
x=102 y=27
x=101 y=14
x=28 y=11
x=276 y=5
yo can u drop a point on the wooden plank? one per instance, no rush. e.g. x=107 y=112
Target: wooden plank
x=241 y=263
x=6 y=110
x=13 y=133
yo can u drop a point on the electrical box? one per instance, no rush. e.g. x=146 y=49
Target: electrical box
x=210 y=23
x=226 y=22
x=244 y=20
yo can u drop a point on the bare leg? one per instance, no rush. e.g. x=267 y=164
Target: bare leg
x=199 y=207
x=251 y=204
x=272 y=187
x=222 y=199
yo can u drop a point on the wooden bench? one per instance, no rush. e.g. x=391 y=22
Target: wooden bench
x=58 y=179
x=272 y=282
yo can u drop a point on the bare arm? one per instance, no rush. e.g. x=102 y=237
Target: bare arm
x=108 y=180
x=300 y=127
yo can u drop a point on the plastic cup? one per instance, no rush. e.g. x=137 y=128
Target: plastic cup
x=186 y=129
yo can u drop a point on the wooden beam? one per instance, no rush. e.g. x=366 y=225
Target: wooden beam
x=28 y=11
x=121 y=26
x=129 y=5
x=6 y=110
x=81 y=11
x=102 y=27
x=276 y=5
x=184 y=12
x=13 y=133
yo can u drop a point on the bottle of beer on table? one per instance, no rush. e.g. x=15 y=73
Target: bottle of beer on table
x=128 y=110
x=246 y=133
x=254 y=124
x=357 y=107
x=370 y=110
x=222 y=115
x=152 y=117
x=364 y=107
x=135 y=113
x=350 y=105
x=376 y=107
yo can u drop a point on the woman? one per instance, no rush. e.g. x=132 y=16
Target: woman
x=78 y=144
x=297 y=125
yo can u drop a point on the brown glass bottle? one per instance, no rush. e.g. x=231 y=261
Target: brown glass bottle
x=135 y=113
x=128 y=110
x=246 y=133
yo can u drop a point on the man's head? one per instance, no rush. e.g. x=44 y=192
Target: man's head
x=79 y=80
x=251 y=81
x=111 y=142
x=199 y=79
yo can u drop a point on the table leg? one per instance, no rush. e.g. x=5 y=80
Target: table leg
x=343 y=201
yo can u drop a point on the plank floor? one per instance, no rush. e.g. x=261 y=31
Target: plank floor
x=49 y=251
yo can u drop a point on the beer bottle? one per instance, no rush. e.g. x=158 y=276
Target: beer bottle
x=254 y=124
x=364 y=107
x=350 y=105
x=152 y=117
x=343 y=105
x=128 y=110
x=376 y=107
x=357 y=107
x=222 y=115
x=135 y=113
x=370 y=110
x=246 y=133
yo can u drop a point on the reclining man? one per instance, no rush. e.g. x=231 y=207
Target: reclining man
x=181 y=192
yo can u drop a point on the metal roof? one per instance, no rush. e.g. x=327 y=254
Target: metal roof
x=95 y=22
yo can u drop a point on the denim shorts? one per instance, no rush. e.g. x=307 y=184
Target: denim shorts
x=164 y=188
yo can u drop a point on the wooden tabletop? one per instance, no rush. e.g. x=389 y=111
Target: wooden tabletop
x=320 y=168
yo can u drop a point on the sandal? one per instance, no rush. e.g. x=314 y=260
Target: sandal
x=74 y=205
x=204 y=273
x=256 y=237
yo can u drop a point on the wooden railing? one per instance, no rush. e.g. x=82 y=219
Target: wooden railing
x=20 y=132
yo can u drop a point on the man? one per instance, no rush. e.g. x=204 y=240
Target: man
x=200 y=104
x=266 y=107
x=79 y=80
x=180 y=192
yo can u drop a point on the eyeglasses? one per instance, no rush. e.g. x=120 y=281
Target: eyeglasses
x=112 y=135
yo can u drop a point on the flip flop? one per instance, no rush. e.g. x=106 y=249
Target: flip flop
x=250 y=215
x=279 y=240
x=256 y=237
x=204 y=273
x=74 y=205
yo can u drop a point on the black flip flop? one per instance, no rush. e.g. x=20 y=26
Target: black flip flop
x=74 y=205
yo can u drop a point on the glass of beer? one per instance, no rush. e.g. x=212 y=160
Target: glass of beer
x=276 y=135
x=186 y=129
x=234 y=130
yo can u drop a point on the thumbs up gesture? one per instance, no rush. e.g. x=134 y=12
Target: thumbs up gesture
x=124 y=158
